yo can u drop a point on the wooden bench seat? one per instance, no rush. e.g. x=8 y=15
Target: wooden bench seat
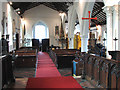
x=102 y=72
x=26 y=58
x=63 y=57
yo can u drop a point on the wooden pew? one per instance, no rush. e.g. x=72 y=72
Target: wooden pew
x=63 y=57
x=96 y=69
x=115 y=74
x=7 y=71
x=102 y=72
x=26 y=58
x=29 y=48
x=89 y=67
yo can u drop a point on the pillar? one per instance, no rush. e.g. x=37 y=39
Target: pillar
x=115 y=26
x=71 y=25
x=71 y=43
x=0 y=46
x=84 y=43
x=118 y=25
x=108 y=11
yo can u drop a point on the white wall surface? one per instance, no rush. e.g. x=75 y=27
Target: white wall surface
x=42 y=13
x=45 y=14
x=14 y=15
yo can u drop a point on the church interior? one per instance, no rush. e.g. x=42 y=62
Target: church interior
x=60 y=44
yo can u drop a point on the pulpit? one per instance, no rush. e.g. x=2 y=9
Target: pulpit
x=115 y=55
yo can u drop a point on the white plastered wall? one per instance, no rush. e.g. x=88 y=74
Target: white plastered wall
x=45 y=14
x=5 y=8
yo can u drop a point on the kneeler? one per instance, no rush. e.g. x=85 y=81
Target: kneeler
x=74 y=68
x=77 y=68
x=53 y=82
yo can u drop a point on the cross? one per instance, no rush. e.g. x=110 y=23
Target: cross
x=89 y=19
x=115 y=42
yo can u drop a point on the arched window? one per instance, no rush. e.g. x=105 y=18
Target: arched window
x=40 y=31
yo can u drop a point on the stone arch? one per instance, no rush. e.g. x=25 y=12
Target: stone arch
x=82 y=9
x=71 y=20
x=71 y=23
x=85 y=25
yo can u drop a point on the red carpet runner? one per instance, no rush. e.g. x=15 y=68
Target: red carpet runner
x=56 y=82
x=45 y=66
x=47 y=75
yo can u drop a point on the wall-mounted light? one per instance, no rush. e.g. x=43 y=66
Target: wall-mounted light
x=10 y=3
x=18 y=12
x=62 y=14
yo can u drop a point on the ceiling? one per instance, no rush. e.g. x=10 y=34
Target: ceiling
x=59 y=6
x=63 y=7
x=99 y=13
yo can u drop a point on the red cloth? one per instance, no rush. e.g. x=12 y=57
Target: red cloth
x=53 y=82
x=47 y=76
x=47 y=72
x=45 y=66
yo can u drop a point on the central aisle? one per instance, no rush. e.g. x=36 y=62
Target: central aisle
x=47 y=75
x=45 y=66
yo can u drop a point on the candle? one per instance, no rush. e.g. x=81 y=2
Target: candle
x=115 y=32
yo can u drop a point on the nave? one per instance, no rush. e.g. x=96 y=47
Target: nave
x=47 y=70
x=53 y=39
x=90 y=71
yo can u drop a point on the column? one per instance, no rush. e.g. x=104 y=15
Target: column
x=118 y=27
x=116 y=32
x=0 y=46
x=71 y=43
x=71 y=25
x=1 y=29
x=109 y=45
x=84 y=43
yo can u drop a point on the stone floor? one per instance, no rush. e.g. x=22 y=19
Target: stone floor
x=19 y=83
x=24 y=72
x=22 y=75
x=22 y=81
